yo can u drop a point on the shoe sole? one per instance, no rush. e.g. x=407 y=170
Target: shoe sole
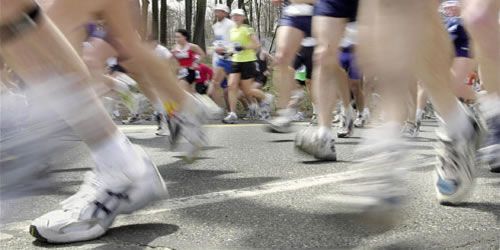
x=303 y=152
x=277 y=130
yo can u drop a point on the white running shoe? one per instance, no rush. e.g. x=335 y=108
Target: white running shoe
x=318 y=143
x=377 y=185
x=91 y=211
x=455 y=171
x=189 y=124
x=282 y=123
x=231 y=118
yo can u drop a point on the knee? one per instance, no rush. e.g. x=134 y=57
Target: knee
x=283 y=58
x=324 y=56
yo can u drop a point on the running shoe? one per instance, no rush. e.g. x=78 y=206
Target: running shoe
x=410 y=129
x=282 y=123
x=231 y=118
x=455 y=170
x=91 y=211
x=314 y=120
x=188 y=123
x=346 y=125
x=266 y=107
x=316 y=142
x=490 y=152
x=376 y=186
x=299 y=117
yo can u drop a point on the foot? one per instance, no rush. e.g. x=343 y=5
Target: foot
x=346 y=125
x=282 y=123
x=91 y=211
x=317 y=142
x=455 y=171
x=231 y=118
x=410 y=130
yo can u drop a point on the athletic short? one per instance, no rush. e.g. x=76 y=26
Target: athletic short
x=337 y=8
x=348 y=62
x=261 y=78
x=225 y=64
x=462 y=49
x=246 y=69
x=302 y=23
x=305 y=57
x=201 y=88
x=188 y=75
x=223 y=84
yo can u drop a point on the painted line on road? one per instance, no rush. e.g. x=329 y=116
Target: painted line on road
x=143 y=127
x=217 y=197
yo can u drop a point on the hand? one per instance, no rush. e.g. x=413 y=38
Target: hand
x=238 y=48
x=276 y=2
x=220 y=50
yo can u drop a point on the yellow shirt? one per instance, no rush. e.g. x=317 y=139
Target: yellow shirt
x=242 y=36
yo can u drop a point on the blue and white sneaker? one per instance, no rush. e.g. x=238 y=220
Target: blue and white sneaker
x=91 y=211
x=456 y=167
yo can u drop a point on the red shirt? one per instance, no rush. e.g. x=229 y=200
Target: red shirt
x=185 y=56
x=206 y=73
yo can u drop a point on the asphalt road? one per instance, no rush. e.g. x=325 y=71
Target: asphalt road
x=250 y=189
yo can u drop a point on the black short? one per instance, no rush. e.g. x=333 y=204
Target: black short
x=246 y=69
x=190 y=77
x=201 y=88
x=261 y=78
x=337 y=8
x=305 y=57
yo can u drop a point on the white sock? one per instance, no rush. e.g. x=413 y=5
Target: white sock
x=158 y=106
x=419 y=114
x=314 y=109
x=116 y=157
x=457 y=122
x=324 y=131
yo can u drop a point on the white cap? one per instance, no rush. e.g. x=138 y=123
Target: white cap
x=240 y=12
x=222 y=7
x=450 y=3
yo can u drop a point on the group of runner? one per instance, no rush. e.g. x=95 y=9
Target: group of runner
x=71 y=54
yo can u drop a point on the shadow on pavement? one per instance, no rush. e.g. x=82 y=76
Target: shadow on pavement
x=186 y=182
x=493 y=208
x=285 y=227
x=137 y=236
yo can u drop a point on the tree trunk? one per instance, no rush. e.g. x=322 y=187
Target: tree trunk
x=155 y=20
x=257 y=10
x=229 y=3
x=163 y=22
x=144 y=20
x=188 y=5
x=199 y=26
x=250 y=11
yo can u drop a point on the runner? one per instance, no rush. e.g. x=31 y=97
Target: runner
x=187 y=54
x=482 y=21
x=221 y=60
x=243 y=67
x=329 y=79
x=60 y=81
x=295 y=25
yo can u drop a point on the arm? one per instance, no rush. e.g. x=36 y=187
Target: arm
x=255 y=43
x=198 y=51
